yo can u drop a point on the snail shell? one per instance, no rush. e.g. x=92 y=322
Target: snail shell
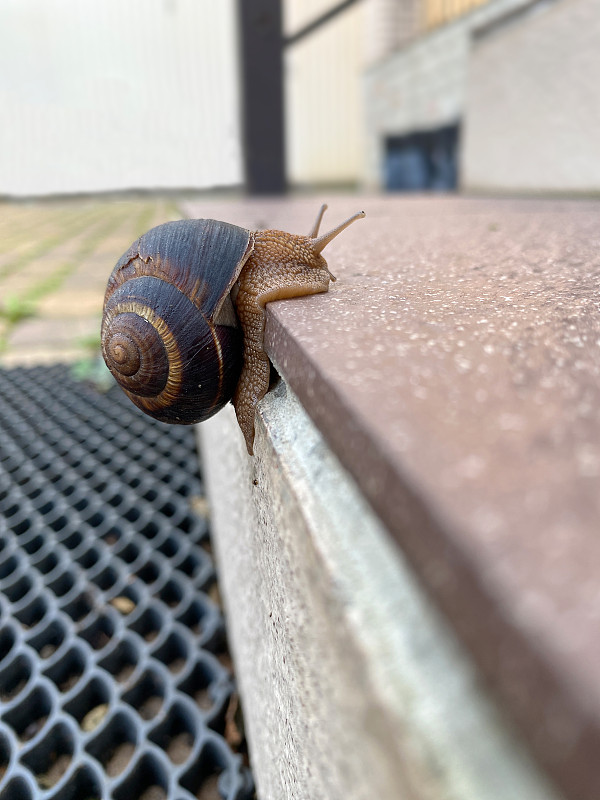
x=169 y=332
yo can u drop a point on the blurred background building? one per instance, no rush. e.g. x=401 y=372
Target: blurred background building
x=494 y=95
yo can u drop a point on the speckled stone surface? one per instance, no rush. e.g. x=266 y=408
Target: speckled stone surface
x=454 y=368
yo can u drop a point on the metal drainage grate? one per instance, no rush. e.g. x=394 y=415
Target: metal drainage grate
x=110 y=686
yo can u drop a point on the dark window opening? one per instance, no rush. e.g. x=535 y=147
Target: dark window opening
x=422 y=161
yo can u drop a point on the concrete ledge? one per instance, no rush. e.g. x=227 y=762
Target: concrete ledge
x=353 y=685
x=454 y=371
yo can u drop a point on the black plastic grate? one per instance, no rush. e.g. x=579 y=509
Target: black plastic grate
x=110 y=684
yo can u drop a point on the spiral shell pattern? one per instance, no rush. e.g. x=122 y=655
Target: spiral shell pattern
x=159 y=335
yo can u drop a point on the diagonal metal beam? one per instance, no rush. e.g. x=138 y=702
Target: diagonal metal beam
x=318 y=22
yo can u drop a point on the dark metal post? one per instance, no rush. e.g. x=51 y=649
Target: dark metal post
x=261 y=48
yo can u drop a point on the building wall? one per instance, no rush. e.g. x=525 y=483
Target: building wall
x=114 y=94
x=390 y=24
x=532 y=116
x=418 y=88
x=324 y=128
x=423 y=85
x=439 y=12
x=144 y=93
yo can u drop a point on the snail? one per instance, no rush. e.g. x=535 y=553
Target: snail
x=184 y=314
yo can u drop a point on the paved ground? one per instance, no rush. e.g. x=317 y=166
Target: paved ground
x=55 y=258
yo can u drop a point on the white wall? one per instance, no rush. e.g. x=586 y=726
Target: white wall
x=113 y=94
x=324 y=114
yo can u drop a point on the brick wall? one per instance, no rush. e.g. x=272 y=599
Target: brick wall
x=423 y=85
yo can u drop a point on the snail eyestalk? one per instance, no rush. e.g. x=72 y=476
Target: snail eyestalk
x=321 y=243
x=315 y=228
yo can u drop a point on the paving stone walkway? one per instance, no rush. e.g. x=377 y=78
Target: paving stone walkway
x=55 y=259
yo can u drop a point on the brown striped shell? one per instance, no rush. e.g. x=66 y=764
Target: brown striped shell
x=169 y=333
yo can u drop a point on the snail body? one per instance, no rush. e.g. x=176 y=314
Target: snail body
x=184 y=318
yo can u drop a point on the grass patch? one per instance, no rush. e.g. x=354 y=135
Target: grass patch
x=93 y=370
x=15 y=309
x=143 y=221
x=91 y=343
